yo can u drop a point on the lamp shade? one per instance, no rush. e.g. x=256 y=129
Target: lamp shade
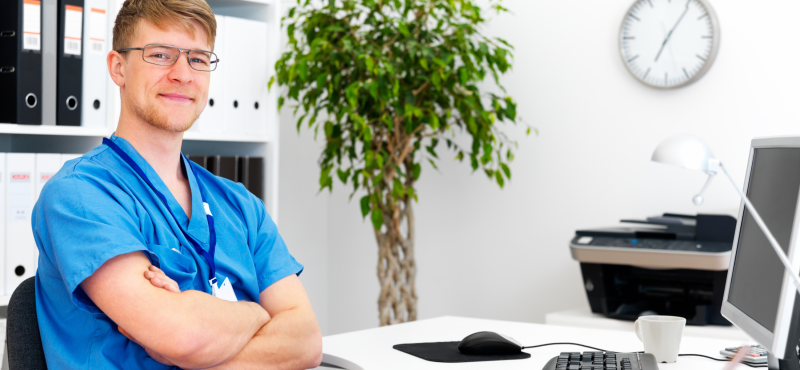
x=684 y=150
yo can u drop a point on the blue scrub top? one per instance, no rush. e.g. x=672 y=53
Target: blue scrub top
x=96 y=207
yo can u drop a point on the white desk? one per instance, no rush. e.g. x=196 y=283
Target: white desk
x=584 y=318
x=372 y=349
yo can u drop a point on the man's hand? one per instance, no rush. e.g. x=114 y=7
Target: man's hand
x=160 y=280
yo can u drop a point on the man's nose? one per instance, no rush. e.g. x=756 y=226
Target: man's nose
x=181 y=71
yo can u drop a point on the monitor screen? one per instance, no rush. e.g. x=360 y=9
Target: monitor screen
x=757 y=274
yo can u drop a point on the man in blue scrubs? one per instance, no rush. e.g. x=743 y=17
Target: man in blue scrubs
x=148 y=261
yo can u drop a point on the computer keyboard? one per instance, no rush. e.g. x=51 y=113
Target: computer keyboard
x=602 y=361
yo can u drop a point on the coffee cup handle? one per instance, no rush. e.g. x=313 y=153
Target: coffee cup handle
x=636 y=330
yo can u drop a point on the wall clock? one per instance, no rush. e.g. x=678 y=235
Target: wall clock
x=669 y=43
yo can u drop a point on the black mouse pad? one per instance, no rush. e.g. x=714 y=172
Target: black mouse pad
x=448 y=352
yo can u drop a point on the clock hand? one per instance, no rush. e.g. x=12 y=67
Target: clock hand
x=670 y=31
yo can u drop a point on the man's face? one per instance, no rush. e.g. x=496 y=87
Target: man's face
x=170 y=98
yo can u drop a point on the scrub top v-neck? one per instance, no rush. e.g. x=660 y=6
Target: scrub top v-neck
x=97 y=207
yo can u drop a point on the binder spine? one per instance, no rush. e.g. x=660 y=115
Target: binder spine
x=20 y=245
x=9 y=30
x=20 y=62
x=49 y=61
x=29 y=107
x=94 y=64
x=3 y=186
x=70 y=62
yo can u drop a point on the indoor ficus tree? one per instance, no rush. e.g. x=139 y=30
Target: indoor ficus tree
x=390 y=83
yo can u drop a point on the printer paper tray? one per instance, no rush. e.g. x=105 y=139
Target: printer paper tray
x=651 y=258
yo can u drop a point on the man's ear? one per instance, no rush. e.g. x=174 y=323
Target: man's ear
x=116 y=67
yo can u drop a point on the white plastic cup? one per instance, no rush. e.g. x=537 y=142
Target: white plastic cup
x=661 y=335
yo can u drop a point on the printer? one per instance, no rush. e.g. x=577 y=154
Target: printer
x=665 y=265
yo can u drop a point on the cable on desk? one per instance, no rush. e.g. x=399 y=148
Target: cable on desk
x=720 y=359
x=566 y=343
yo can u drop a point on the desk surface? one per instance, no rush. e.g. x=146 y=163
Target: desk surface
x=372 y=348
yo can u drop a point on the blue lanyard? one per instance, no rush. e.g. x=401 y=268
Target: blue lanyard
x=209 y=256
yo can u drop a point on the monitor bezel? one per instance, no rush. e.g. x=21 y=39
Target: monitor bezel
x=775 y=342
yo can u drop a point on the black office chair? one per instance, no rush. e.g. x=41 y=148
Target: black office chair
x=25 y=350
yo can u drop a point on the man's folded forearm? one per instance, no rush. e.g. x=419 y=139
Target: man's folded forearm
x=291 y=340
x=205 y=330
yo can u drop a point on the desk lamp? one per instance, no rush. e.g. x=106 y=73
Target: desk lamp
x=690 y=152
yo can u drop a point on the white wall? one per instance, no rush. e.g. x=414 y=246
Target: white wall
x=502 y=254
x=303 y=215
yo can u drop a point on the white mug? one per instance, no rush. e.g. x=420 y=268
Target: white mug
x=661 y=335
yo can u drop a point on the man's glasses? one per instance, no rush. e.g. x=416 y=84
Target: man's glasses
x=167 y=55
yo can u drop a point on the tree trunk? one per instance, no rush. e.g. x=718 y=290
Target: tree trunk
x=397 y=269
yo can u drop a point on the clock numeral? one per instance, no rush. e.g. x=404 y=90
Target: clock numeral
x=686 y=73
x=706 y=37
x=665 y=79
x=702 y=16
x=633 y=58
x=701 y=58
x=628 y=38
x=651 y=3
x=646 y=73
x=634 y=17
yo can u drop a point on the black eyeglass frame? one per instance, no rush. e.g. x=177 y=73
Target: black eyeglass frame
x=180 y=51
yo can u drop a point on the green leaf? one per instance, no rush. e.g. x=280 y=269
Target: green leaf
x=424 y=64
x=412 y=194
x=403 y=29
x=431 y=151
x=417 y=170
x=379 y=159
x=433 y=164
x=303 y=70
x=373 y=90
x=377 y=218
x=328 y=129
x=505 y=169
x=364 y=206
x=434 y=122
x=398 y=190
x=499 y=178
x=343 y=175
x=367 y=135
x=370 y=64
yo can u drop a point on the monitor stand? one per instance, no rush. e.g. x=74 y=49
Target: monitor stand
x=790 y=363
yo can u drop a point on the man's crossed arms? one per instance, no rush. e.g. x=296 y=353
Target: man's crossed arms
x=194 y=330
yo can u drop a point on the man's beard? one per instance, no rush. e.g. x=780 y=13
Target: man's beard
x=152 y=115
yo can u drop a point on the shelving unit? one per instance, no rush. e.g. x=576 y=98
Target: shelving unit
x=50 y=138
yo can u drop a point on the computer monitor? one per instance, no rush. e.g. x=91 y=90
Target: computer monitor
x=760 y=298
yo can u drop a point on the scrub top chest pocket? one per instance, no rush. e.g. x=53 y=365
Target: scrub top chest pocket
x=177 y=266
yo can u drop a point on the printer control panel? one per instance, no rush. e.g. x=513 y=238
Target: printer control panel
x=653 y=244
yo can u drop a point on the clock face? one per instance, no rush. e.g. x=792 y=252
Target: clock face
x=669 y=43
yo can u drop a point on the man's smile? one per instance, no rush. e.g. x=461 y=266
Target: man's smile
x=177 y=97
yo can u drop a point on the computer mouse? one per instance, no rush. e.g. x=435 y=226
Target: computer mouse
x=489 y=343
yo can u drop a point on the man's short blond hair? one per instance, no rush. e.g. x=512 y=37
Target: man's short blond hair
x=163 y=14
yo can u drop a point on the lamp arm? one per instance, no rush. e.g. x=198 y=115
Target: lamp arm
x=760 y=222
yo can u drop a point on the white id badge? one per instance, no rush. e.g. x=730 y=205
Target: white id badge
x=224 y=292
